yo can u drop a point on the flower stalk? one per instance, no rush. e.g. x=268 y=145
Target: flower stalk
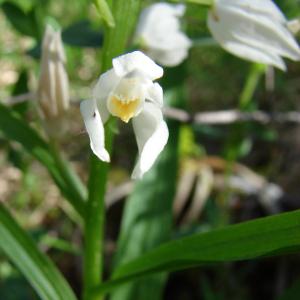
x=125 y=13
x=255 y=74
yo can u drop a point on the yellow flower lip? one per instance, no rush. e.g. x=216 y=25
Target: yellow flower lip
x=123 y=108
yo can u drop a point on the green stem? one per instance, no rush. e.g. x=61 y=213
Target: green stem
x=95 y=220
x=125 y=13
x=255 y=74
x=204 y=42
x=105 y=12
x=236 y=140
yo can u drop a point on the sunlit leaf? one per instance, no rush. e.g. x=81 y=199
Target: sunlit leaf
x=276 y=235
x=35 y=266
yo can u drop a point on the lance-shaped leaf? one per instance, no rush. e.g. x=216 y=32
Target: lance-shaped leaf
x=35 y=266
x=269 y=236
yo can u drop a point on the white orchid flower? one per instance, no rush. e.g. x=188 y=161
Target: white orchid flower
x=159 y=33
x=53 y=87
x=128 y=91
x=254 y=30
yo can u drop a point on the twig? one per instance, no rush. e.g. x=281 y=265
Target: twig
x=19 y=98
x=222 y=117
x=231 y=116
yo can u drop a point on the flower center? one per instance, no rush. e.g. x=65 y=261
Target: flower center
x=124 y=108
x=126 y=99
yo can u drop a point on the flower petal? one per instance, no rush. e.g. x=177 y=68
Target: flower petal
x=159 y=15
x=152 y=134
x=246 y=26
x=159 y=32
x=155 y=93
x=263 y=7
x=253 y=54
x=95 y=129
x=169 y=58
x=137 y=60
x=264 y=32
x=106 y=83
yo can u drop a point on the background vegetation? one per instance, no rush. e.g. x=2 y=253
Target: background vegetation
x=210 y=175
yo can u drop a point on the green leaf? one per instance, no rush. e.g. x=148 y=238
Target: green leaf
x=35 y=266
x=275 y=235
x=25 y=5
x=147 y=220
x=24 y=22
x=81 y=34
x=14 y=128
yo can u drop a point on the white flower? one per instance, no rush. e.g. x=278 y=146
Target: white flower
x=255 y=30
x=294 y=26
x=159 y=32
x=127 y=91
x=53 y=87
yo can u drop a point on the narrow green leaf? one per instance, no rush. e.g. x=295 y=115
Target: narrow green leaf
x=262 y=237
x=147 y=219
x=35 y=266
x=105 y=12
x=15 y=129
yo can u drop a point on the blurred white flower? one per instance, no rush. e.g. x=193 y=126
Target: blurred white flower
x=127 y=91
x=255 y=30
x=294 y=26
x=159 y=33
x=53 y=86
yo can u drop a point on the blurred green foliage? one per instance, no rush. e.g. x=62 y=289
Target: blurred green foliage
x=213 y=80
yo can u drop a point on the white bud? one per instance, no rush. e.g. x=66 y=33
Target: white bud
x=53 y=86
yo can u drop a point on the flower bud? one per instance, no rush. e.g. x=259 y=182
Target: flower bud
x=53 y=86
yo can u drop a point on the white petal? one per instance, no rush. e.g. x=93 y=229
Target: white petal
x=169 y=58
x=154 y=16
x=256 y=55
x=235 y=28
x=262 y=31
x=155 y=93
x=95 y=129
x=106 y=83
x=159 y=32
x=136 y=60
x=152 y=134
x=263 y=7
